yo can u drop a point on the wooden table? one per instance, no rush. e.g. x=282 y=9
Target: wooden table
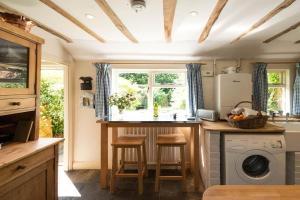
x=144 y=121
x=252 y=192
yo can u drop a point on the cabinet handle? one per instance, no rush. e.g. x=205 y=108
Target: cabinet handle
x=20 y=167
x=17 y=103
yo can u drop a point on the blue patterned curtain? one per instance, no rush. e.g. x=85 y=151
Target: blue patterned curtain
x=260 y=87
x=194 y=79
x=296 y=95
x=102 y=90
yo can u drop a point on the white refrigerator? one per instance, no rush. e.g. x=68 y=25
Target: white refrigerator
x=232 y=89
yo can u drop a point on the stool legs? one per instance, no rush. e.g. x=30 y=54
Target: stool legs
x=122 y=160
x=158 y=159
x=145 y=160
x=114 y=169
x=140 y=171
x=141 y=163
x=183 y=171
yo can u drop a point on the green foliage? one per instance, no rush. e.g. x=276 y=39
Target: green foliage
x=274 y=78
x=52 y=103
x=274 y=93
x=163 y=97
x=165 y=78
x=136 y=83
x=137 y=78
x=139 y=91
x=274 y=100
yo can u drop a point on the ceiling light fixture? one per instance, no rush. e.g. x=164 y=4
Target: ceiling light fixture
x=194 y=13
x=138 y=5
x=89 y=16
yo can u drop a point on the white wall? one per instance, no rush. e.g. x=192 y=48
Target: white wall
x=86 y=130
x=52 y=49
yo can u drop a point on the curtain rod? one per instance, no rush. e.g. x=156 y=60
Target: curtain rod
x=282 y=62
x=139 y=63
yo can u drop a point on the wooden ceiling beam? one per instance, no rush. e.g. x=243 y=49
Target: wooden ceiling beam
x=169 y=13
x=272 y=13
x=115 y=20
x=212 y=19
x=64 y=13
x=283 y=32
x=37 y=23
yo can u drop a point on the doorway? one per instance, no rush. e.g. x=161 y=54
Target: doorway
x=54 y=107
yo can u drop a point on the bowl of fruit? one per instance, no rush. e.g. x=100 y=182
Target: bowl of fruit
x=246 y=118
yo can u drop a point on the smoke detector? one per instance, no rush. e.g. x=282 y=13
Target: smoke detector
x=138 y=5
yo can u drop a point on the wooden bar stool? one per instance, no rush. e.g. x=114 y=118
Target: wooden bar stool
x=173 y=140
x=123 y=142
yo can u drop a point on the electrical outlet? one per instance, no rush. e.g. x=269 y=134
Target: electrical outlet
x=207 y=73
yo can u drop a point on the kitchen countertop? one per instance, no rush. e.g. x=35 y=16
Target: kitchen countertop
x=252 y=192
x=16 y=151
x=222 y=126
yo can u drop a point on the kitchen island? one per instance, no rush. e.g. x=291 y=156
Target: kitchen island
x=151 y=122
x=211 y=138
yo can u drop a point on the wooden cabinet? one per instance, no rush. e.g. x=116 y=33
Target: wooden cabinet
x=20 y=62
x=30 y=172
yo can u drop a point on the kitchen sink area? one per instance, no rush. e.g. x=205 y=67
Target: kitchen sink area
x=291 y=134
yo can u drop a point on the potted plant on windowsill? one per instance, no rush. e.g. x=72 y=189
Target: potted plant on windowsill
x=122 y=101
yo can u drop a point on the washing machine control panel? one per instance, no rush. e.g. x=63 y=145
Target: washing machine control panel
x=239 y=143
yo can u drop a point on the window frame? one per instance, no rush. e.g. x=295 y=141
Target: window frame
x=285 y=84
x=151 y=82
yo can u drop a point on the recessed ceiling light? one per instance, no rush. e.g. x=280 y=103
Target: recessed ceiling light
x=194 y=13
x=138 y=5
x=89 y=16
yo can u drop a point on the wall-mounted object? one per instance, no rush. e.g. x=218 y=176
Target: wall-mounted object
x=87 y=100
x=87 y=83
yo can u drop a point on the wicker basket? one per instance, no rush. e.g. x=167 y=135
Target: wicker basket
x=252 y=122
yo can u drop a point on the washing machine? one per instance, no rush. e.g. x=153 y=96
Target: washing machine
x=254 y=159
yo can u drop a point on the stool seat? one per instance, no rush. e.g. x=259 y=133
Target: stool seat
x=129 y=141
x=173 y=139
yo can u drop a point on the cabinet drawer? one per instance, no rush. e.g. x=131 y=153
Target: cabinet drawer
x=16 y=103
x=24 y=165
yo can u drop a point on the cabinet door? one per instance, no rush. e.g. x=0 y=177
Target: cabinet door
x=17 y=65
x=38 y=184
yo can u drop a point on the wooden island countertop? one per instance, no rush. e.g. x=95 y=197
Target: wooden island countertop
x=252 y=192
x=222 y=126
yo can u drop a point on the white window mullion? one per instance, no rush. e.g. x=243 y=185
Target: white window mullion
x=150 y=92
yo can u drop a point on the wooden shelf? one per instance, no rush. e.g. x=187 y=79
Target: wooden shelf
x=7 y=125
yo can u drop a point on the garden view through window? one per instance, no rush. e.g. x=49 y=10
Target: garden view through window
x=167 y=89
x=278 y=91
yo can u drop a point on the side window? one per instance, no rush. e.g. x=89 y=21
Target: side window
x=278 y=91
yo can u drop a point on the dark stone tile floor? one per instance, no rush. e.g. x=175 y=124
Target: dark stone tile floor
x=87 y=183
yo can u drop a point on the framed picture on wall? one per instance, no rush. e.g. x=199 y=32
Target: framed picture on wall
x=87 y=100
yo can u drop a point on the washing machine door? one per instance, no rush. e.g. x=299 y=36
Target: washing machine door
x=256 y=167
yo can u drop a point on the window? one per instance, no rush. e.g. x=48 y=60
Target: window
x=278 y=91
x=166 y=88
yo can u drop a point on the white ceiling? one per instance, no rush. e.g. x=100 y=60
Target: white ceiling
x=148 y=28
